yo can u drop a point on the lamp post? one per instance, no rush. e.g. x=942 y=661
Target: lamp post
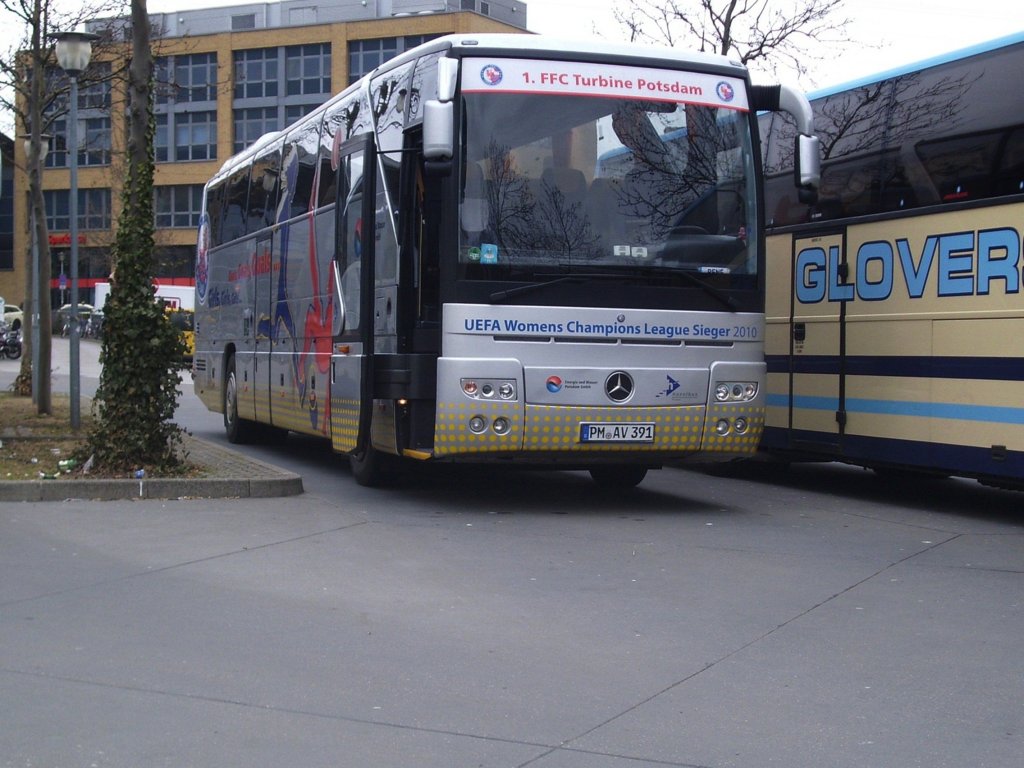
x=74 y=49
x=37 y=163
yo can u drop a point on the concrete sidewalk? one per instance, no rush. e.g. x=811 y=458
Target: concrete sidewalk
x=224 y=474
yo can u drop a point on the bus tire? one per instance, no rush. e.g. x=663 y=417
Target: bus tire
x=620 y=476
x=239 y=430
x=371 y=468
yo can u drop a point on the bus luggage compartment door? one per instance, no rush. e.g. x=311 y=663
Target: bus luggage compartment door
x=817 y=342
x=348 y=372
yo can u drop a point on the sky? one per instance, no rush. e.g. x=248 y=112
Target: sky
x=892 y=32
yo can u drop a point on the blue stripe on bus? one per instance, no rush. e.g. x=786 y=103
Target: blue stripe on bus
x=957 y=411
x=915 y=67
x=911 y=366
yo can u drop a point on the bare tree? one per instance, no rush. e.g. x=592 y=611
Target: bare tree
x=769 y=33
x=30 y=94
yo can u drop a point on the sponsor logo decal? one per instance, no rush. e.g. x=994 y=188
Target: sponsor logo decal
x=491 y=74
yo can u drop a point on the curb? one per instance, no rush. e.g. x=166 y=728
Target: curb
x=230 y=475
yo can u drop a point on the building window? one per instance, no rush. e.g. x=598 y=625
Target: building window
x=7 y=212
x=366 y=55
x=95 y=146
x=175 y=260
x=250 y=124
x=178 y=206
x=186 y=79
x=295 y=112
x=195 y=135
x=93 y=209
x=94 y=90
x=308 y=69
x=299 y=16
x=243 y=21
x=256 y=73
x=185 y=136
x=161 y=139
x=57 y=156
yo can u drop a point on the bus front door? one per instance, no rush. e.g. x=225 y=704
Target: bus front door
x=352 y=354
x=822 y=287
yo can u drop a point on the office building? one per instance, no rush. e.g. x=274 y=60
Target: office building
x=224 y=77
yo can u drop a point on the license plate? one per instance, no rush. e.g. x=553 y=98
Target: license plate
x=607 y=432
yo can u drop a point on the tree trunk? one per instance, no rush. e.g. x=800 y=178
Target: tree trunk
x=44 y=400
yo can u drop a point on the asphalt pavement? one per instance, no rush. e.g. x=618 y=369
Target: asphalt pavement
x=819 y=618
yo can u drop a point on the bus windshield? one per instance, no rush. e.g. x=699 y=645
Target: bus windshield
x=557 y=184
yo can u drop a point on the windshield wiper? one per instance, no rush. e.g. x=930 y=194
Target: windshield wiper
x=499 y=296
x=730 y=303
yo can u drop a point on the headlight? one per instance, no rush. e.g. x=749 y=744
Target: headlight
x=489 y=389
x=735 y=391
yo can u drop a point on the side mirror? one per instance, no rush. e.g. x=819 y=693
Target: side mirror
x=438 y=130
x=447 y=78
x=807 y=167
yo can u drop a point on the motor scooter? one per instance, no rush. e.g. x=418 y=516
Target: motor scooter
x=10 y=343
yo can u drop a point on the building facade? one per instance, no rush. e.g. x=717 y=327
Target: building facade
x=224 y=77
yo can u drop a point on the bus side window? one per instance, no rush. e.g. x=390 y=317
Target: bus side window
x=328 y=190
x=423 y=87
x=263 y=190
x=351 y=231
x=391 y=100
x=1009 y=176
x=961 y=166
x=236 y=202
x=215 y=212
x=299 y=167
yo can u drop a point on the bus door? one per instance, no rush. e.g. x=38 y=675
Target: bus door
x=263 y=331
x=822 y=286
x=245 y=314
x=352 y=354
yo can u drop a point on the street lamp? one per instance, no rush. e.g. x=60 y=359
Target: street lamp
x=74 y=49
x=37 y=163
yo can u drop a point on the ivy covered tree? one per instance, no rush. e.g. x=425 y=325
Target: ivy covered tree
x=141 y=351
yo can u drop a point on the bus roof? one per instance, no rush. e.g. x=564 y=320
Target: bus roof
x=934 y=61
x=550 y=45
x=510 y=44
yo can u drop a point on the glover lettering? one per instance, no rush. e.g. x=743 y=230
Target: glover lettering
x=946 y=265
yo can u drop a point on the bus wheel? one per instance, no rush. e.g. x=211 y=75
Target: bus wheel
x=618 y=476
x=238 y=430
x=371 y=468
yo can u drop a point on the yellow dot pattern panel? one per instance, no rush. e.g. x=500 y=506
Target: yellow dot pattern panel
x=539 y=428
x=344 y=424
x=743 y=444
x=452 y=435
